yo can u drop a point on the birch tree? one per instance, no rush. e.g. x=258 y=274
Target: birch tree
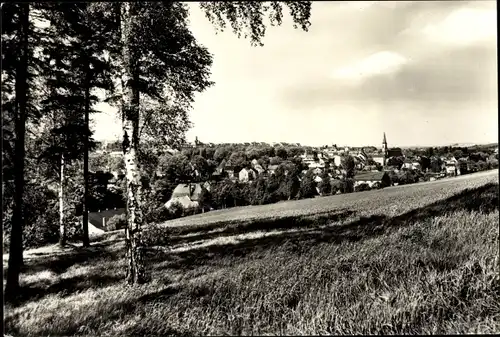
x=158 y=57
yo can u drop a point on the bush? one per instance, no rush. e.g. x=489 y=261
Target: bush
x=362 y=187
x=191 y=210
x=116 y=222
x=157 y=235
x=40 y=215
x=157 y=214
x=176 y=210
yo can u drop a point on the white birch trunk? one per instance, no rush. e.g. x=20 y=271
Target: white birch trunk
x=62 y=225
x=130 y=126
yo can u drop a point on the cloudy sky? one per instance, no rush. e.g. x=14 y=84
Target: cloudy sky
x=423 y=72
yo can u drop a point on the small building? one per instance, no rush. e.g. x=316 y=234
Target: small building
x=272 y=169
x=247 y=174
x=380 y=159
x=207 y=186
x=100 y=219
x=371 y=178
x=407 y=164
x=259 y=169
x=229 y=170
x=451 y=171
x=317 y=170
x=450 y=166
x=188 y=195
x=394 y=152
x=219 y=170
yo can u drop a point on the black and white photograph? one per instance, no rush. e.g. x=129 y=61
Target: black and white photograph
x=235 y=168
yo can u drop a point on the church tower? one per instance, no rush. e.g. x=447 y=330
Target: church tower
x=384 y=148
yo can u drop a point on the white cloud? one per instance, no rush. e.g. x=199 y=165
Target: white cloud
x=384 y=62
x=464 y=27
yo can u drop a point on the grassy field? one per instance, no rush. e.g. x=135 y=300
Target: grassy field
x=416 y=259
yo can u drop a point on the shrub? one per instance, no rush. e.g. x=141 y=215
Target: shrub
x=40 y=210
x=191 y=210
x=157 y=214
x=176 y=210
x=362 y=187
x=116 y=222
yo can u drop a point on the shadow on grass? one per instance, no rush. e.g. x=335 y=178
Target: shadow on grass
x=66 y=287
x=60 y=262
x=484 y=199
x=106 y=312
x=266 y=225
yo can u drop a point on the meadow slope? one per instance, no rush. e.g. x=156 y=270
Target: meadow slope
x=415 y=259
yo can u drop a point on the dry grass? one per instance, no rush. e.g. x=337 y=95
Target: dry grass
x=423 y=260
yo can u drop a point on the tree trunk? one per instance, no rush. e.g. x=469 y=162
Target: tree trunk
x=85 y=218
x=12 y=289
x=130 y=125
x=62 y=225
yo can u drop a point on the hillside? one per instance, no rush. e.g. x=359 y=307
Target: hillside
x=414 y=259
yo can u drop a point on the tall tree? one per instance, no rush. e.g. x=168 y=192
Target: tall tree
x=308 y=185
x=67 y=98
x=86 y=31
x=160 y=58
x=16 y=29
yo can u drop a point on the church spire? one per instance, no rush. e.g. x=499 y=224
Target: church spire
x=384 y=149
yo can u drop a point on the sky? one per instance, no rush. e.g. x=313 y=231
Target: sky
x=423 y=72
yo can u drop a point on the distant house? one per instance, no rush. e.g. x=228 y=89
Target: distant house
x=272 y=168
x=100 y=219
x=229 y=169
x=219 y=171
x=337 y=160
x=207 y=186
x=246 y=175
x=257 y=167
x=317 y=170
x=450 y=166
x=379 y=158
x=451 y=171
x=372 y=178
x=188 y=195
x=358 y=162
x=394 y=152
x=407 y=164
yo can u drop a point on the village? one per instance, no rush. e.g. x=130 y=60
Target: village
x=327 y=166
